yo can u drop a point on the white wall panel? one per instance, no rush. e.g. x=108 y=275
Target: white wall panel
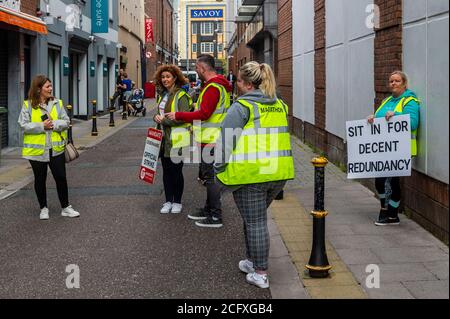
x=437 y=7
x=426 y=61
x=304 y=87
x=303 y=60
x=414 y=10
x=349 y=64
x=361 y=84
x=356 y=17
x=336 y=91
x=438 y=99
x=414 y=64
x=335 y=22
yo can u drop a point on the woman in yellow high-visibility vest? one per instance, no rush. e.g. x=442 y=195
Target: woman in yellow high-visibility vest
x=45 y=122
x=402 y=101
x=176 y=135
x=256 y=161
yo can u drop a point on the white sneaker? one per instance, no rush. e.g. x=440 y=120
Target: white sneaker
x=261 y=281
x=44 y=214
x=69 y=212
x=166 y=208
x=246 y=266
x=176 y=208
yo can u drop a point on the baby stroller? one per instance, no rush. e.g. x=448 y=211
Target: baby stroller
x=136 y=101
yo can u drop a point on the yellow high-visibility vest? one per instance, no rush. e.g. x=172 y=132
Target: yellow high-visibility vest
x=263 y=152
x=209 y=130
x=399 y=109
x=179 y=135
x=34 y=144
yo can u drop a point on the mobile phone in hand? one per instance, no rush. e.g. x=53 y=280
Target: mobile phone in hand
x=44 y=117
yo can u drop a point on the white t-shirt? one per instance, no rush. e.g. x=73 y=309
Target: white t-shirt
x=163 y=103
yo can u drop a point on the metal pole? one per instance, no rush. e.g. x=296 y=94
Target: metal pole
x=318 y=265
x=69 y=132
x=112 y=109
x=94 y=119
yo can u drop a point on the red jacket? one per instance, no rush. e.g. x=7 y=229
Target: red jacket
x=209 y=102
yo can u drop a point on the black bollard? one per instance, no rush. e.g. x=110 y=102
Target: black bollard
x=318 y=265
x=112 y=109
x=94 y=118
x=124 y=111
x=69 y=131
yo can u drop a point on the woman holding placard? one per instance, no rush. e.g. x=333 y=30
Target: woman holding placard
x=402 y=101
x=169 y=81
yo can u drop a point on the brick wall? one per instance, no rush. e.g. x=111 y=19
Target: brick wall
x=388 y=46
x=284 y=68
x=320 y=136
x=29 y=6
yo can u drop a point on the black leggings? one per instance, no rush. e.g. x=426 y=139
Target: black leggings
x=58 y=167
x=173 y=180
x=395 y=195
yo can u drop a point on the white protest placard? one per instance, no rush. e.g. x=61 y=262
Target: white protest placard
x=151 y=153
x=381 y=149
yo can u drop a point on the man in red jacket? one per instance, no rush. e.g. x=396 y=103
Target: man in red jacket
x=211 y=107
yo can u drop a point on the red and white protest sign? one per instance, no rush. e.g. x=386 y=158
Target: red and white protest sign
x=151 y=153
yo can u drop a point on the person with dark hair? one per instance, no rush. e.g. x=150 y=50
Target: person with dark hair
x=45 y=122
x=402 y=101
x=210 y=110
x=173 y=98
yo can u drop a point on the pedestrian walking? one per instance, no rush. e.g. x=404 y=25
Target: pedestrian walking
x=119 y=89
x=255 y=171
x=232 y=80
x=45 y=122
x=173 y=98
x=402 y=101
x=210 y=110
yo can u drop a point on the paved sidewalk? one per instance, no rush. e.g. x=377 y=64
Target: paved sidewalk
x=15 y=172
x=412 y=262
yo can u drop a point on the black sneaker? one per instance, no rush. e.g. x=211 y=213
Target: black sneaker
x=211 y=222
x=280 y=196
x=383 y=214
x=388 y=221
x=200 y=214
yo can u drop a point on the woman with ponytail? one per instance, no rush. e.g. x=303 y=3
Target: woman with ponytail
x=256 y=161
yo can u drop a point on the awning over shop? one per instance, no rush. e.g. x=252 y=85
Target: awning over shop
x=22 y=20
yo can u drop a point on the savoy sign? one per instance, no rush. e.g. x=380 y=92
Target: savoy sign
x=218 y=13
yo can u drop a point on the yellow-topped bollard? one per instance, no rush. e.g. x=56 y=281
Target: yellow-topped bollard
x=318 y=265
x=94 y=118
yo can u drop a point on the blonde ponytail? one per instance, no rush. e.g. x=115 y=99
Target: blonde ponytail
x=260 y=76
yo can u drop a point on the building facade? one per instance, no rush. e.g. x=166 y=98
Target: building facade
x=58 y=38
x=162 y=47
x=131 y=39
x=202 y=30
x=341 y=63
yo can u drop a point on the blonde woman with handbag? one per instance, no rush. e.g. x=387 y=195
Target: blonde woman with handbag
x=45 y=122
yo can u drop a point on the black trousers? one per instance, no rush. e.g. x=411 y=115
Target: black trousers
x=173 y=180
x=389 y=192
x=58 y=168
x=213 y=205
